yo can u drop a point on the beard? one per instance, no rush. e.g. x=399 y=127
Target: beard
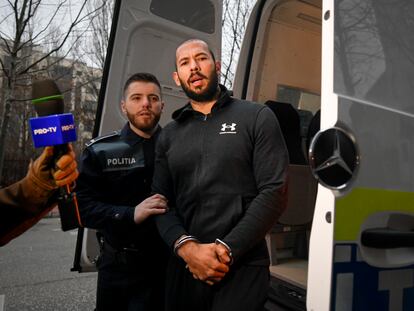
x=208 y=94
x=144 y=124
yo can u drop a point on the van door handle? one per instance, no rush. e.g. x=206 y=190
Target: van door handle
x=387 y=238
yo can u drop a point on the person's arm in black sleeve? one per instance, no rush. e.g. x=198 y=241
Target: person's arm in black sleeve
x=169 y=224
x=270 y=162
x=95 y=213
x=25 y=202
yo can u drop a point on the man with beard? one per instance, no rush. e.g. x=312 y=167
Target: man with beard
x=114 y=188
x=221 y=163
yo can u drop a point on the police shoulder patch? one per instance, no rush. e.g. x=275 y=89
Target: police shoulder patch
x=103 y=137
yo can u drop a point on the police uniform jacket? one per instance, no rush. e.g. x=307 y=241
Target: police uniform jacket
x=223 y=175
x=115 y=175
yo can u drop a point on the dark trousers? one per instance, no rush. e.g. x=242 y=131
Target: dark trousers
x=244 y=288
x=127 y=282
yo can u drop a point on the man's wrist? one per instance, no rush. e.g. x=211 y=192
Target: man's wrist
x=227 y=247
x=181 y=241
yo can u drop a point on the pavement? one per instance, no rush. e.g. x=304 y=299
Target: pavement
x=35 y=272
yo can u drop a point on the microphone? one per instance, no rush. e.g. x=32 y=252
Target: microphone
x=55 y=128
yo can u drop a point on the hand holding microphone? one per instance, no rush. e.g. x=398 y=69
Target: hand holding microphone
x=54 y=130
x=66 y=166
x=64 y=173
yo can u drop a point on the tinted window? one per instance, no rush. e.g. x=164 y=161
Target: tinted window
x=196 y=14
x=374 y=50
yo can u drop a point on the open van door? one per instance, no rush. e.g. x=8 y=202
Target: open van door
x=362 y=241
x=280 y=66
x=144 y=37
x=361 y=251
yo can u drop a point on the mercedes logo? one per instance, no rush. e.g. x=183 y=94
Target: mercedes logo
x=333 y=158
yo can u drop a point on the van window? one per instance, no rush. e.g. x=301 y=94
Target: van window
x=299 y=98
x=196 y=14
x=373 y=52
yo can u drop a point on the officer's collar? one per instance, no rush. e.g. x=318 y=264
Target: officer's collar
x=184 y=112
x=132 y=138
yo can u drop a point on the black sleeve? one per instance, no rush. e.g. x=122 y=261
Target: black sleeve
x=95 y=213
x=169 y=224
x=270 y=162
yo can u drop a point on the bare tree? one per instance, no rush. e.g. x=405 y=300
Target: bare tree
x=90 y=54
x=92 y=50
x=235 y=17
x=27 y=50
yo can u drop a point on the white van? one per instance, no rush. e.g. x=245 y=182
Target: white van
x=345 y=242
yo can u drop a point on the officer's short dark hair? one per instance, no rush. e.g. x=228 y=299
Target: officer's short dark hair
x=142 y=77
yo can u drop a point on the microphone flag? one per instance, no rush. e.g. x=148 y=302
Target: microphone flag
x=53 y=130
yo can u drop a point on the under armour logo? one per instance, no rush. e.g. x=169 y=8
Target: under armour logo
x=228 y=129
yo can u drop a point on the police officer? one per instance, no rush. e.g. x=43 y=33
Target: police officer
x=114 y=189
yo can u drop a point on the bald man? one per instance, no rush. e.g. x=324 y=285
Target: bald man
x=221 y=164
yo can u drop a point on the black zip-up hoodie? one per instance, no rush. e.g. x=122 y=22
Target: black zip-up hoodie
x=223 y=175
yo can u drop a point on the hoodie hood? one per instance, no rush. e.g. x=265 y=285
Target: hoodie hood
x=184 y=112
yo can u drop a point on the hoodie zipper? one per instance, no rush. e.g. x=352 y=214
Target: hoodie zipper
x=201 y=169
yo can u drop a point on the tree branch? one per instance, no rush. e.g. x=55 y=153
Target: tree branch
x=77 y=20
